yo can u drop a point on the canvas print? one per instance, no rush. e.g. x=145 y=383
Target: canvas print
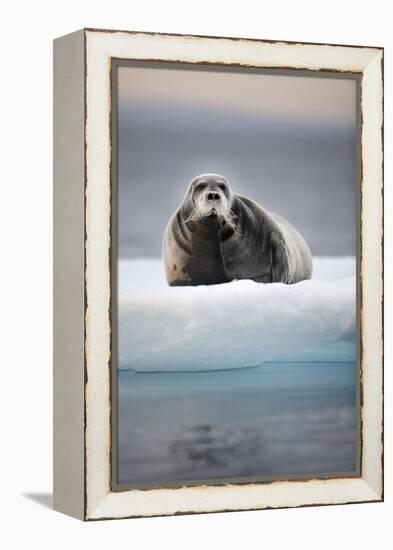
x=235 y=223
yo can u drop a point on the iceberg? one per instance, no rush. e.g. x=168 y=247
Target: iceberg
x=234 y=325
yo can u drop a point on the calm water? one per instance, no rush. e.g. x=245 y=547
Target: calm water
x=279 y=419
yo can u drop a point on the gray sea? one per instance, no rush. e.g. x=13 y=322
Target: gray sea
x=278 y=420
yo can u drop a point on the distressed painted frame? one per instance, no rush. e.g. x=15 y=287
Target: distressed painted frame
x=82 y=472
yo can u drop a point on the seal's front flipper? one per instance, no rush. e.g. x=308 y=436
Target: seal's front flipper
x=280 y=271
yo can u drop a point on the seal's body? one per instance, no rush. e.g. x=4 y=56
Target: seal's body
x=217 y=236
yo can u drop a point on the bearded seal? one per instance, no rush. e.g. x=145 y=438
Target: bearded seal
x=217 y=236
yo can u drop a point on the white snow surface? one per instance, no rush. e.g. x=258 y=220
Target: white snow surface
x=236 y=324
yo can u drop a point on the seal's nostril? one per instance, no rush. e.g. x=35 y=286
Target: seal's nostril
x=213 y=197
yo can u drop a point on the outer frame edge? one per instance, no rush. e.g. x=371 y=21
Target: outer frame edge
x=379 y=498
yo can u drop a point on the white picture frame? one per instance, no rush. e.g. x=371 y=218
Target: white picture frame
x=82 y=244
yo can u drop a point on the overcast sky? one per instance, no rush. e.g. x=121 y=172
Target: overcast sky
x=287 y=142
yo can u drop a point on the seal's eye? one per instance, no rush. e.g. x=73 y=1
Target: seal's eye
x=224 y=189
x=200 y=187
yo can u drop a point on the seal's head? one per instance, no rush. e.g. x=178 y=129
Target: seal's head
x=209 y=197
